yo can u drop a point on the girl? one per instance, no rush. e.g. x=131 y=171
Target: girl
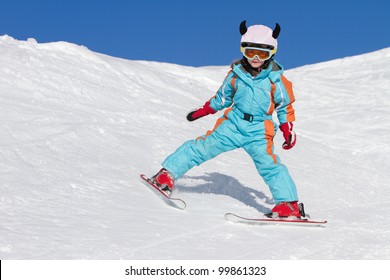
x=253 y=89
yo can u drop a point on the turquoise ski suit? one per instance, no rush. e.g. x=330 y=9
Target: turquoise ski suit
x=247 y=124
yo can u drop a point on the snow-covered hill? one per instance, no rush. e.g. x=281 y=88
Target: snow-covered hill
x=77 y=127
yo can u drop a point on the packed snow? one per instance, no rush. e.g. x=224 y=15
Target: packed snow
x=78 y=127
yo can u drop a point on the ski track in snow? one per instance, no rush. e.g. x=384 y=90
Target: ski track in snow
x=77 y=127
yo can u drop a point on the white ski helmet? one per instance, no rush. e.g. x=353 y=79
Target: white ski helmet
x=259 y=35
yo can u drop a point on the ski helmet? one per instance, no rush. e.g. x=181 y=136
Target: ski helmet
x=259 y=35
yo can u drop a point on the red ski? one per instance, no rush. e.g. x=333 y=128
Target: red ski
x=274 y=221
x=174 y=202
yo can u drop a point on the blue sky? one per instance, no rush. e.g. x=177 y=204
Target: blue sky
x=202 y=32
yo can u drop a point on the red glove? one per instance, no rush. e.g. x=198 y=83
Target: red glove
x=201 y=112
x=289 y=135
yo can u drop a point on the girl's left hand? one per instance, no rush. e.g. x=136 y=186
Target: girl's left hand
x=289 y=135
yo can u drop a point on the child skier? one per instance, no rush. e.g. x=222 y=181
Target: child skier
x=253 y=89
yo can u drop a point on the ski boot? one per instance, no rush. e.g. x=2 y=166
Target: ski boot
x=164 y=180
x=287 y=210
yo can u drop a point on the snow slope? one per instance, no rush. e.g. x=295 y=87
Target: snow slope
x=77 y=127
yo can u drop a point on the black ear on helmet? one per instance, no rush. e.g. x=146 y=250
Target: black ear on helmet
x=243 y=28
x=276 y=31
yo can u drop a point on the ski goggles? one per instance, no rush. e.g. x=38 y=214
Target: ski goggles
x=261 y=53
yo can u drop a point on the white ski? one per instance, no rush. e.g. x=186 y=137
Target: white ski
x=173 y=202
x=274 y=221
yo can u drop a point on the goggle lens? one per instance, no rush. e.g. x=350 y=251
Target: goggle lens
x=262 y=54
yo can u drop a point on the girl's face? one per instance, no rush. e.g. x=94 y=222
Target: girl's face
x=255 y=63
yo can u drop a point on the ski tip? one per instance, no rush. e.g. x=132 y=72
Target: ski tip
x=180 y=203
x=232 y=217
